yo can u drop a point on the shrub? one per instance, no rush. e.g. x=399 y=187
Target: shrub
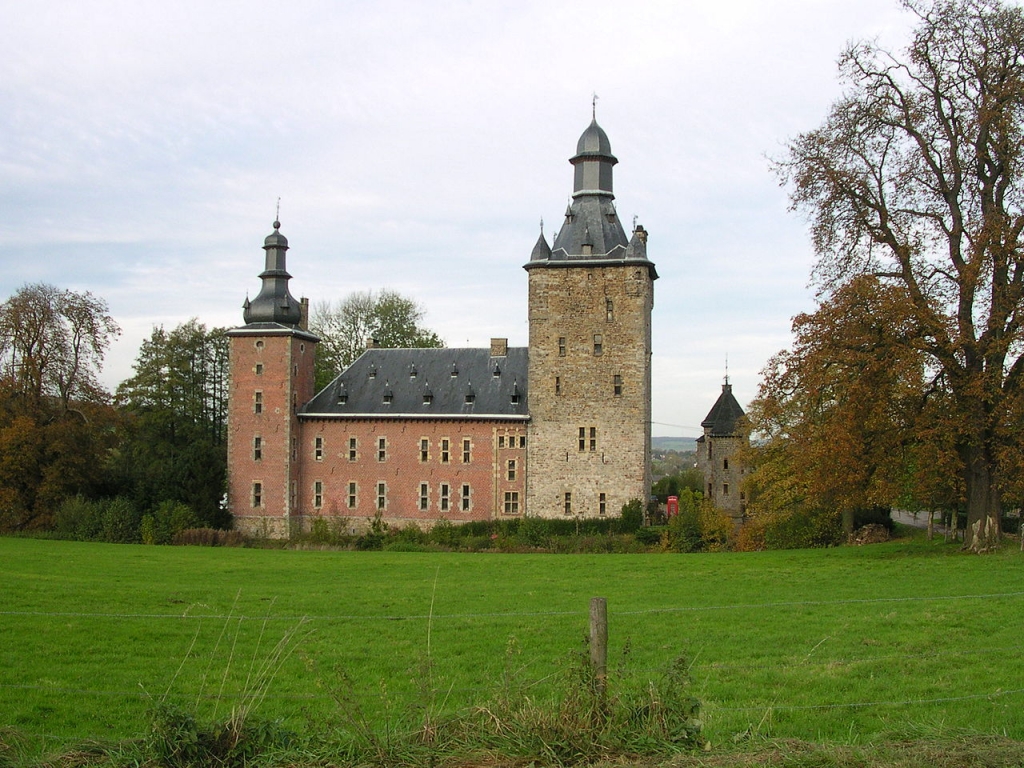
x=373 y=539
x=208 y=537
x=168 y=520
x=650 y=535
x=78 y=518
x=445 y=534
x=120 y=522
x=793 y=529
x=632 y=517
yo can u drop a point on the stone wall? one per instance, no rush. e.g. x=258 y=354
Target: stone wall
x=590 y=370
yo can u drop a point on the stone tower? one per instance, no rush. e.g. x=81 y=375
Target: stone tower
x=719 y=455
x=271 y=364
x=590 y=301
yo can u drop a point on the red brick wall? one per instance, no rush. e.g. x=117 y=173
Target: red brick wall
x=403 y=469
x=278 y=368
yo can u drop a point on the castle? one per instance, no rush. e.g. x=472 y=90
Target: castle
x=559 y=428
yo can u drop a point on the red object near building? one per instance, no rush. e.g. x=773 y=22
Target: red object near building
x=673 y=506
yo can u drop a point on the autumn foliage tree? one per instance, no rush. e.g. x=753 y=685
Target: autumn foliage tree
x=847 y=415
x=915 y=179
x=55 y=422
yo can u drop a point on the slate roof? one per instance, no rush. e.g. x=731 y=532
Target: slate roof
x=592 y=231
x=427 y=383
x=724 y=414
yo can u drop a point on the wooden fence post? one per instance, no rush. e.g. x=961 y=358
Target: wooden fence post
x=599 y=642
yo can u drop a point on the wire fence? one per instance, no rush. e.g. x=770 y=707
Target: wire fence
x=699 y=668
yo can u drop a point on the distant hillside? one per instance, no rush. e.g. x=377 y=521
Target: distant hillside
x=673 y=443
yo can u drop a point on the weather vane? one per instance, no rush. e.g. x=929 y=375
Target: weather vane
x=593 y=106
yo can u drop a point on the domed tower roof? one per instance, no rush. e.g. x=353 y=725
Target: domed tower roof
x=592 y=230
x=275 y=303
x=594 y=142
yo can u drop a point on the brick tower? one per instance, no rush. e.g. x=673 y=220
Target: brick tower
x=271 y=367
x=590 y=301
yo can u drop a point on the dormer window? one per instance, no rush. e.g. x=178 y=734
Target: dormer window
x=497 y=371
x=412 y=372
x=428 y=398
x=455 y=370
x=373 y=372
x=388 y=394
x=470 y=398
x=342 y=398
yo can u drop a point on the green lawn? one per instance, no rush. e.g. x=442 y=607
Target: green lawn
x=845 y=645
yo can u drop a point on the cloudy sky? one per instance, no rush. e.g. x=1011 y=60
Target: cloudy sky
x=416 y=145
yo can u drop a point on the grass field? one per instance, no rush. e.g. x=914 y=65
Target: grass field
x=847 y=646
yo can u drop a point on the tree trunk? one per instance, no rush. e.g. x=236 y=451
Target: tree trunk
x=984 y=505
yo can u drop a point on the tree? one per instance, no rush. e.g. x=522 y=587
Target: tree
x=55 y=424
x=847 y=416
x=915 y=178
x=173 y=446
x=52 y=344
x=391 y=319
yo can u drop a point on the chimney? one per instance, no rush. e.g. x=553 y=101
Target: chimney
x=304 y=316
x=499 y=347
x=371 y=342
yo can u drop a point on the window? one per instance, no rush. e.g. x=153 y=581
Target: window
x=593 y=438
x=598 y=345
x=725 y=463
x=259 y=344
x=424 y=497
x=465 y=497
x=609 y=310
x=259 y=369
x=511 y=469
x=568 y=502
x=257 y=494
x=292 y=496
x=511 y=502
x=295 y=370
x=617 y=385
x=424 y=449
x=445 y=496
x=725 y=489
x=602 y=504
x=257 y=448
x=382 y=495
x=522 y=441
x=318 y=494
x=558 y=385
x=583 y=438
x=501 y=441
x=318 y=448
x=295 y=401
x=295 y=448
x=470 y=397
x=257 y=402
x=445 y=453
x=352 y=449
x=466 y=455
x=352 y=488
x=428 y=398
x=561 y=346
x=382 y=449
